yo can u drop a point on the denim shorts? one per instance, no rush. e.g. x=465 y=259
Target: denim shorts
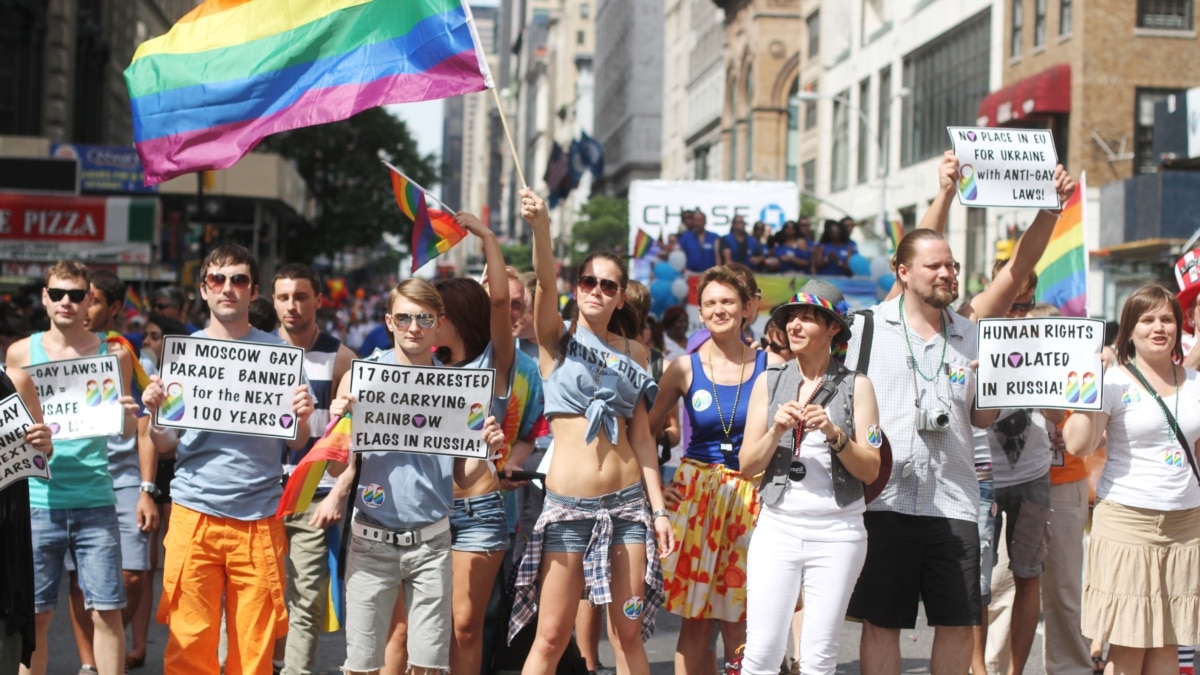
x=573 y=536
x=987 y=544
x=479 y=524
x=93 y=538
x=135 y=544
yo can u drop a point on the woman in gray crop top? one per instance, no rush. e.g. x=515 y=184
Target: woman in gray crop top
x=597 y=398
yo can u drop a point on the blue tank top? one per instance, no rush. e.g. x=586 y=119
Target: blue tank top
x=702 y=412
x=79 y=477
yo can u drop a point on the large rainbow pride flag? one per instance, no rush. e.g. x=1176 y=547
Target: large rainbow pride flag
x=233 y=72
x=1062 y=270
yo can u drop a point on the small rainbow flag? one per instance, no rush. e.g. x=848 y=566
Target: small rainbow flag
x=1062 y=270
x=434 y=231
x=233 y=72
x=140 y=379
x=895 y=234
x=133 y=303
x=334 y=446
x=641 y=245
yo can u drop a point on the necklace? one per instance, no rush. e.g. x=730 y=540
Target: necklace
x=799 y=433
x=908 y=343
x=727 y=445
x=1163 y=408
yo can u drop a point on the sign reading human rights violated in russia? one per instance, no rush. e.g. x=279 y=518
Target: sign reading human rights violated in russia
x=1050 y=362
x=420 y=409
x=1005 y=167
x=230 y=386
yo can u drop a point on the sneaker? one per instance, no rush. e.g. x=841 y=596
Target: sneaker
x=734 y=665
x=87 y=670
x=601 y=669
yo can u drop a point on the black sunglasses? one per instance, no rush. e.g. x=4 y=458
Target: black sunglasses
x=587 y=283
x=1021 y=307
x=216 y=281
x=160 y=306
x=75 y=294
x=424 y=320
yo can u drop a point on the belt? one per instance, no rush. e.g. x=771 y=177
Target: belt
x=402 y=537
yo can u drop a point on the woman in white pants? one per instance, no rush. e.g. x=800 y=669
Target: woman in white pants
x=813 y=426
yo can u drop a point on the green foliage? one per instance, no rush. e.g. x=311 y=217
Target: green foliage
x=808 y=206
x=518 y=256
x=604 y=226
x=340 y=162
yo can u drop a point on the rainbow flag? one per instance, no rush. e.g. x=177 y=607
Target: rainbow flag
x=140 y=379
x=641 y=245
x=434 y=231
x=233 y=72
x=1062 y=270
x=334 y=446
x=133 y=303
x=895 y=234
x=335 y=591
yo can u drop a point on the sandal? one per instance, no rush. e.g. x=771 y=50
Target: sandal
x=132 y=662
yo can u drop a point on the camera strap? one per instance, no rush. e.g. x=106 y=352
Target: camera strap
x=1169 y=417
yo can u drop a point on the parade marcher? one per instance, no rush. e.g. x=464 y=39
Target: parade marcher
x=18 y=638
x=1140 y=584
x=400 y=540
x=224 y=539
x=595 y=532
x=813 y=427
x=296 y=295
x=831 y=256
x=698 y=244
x=74 y=513
x=713 y=506
x=739 y=247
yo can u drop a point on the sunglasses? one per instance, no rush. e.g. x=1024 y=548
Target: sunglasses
x=424 y=320
x=1021 y=307
x=160 y=306
x=216 y=281
x=587 y=283
x=75 y=294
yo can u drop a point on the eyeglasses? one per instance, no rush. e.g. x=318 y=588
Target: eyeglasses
x=424 y=320
x=75 y=294
x=1021 y=307
x=216 y=281
x=160 y=306
x=587 y=283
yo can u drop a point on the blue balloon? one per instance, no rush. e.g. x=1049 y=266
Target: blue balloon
x=860 y=266
x=886 y=281
x=664 y=272
x=661 y=297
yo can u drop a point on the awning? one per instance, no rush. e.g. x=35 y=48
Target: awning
x=1047 y=93
x=1142 y=248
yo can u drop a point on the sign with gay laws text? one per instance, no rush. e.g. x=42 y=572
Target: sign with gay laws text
x=1005 y=167
x=80 y=396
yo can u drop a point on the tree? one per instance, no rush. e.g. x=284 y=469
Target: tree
x=340 y=162
x=604 y=227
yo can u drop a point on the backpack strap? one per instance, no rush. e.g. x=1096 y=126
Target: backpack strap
x=864 y=344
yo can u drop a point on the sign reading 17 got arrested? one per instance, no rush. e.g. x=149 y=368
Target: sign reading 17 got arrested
x=1049 y=362
x=420 y=409
x=1005 y=167
x=229 y=386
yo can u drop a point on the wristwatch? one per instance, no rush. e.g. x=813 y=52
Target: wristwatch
x=149 y=488
x=661 y=513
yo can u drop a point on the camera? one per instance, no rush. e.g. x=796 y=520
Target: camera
x=932 y=419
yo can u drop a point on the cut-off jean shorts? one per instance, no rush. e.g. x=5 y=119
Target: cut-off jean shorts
x=479 y=524
x=573 y=536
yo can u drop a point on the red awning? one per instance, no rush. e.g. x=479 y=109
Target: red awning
x=1046 y=93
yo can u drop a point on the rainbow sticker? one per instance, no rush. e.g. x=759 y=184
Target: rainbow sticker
x=373 y=496
x=1088 y=391
x=1174 y=459
x=172 y=405
x=475 y=417
x=958 y=377
x=1072 y=387
x=701 y=400
x=874 y=436
x=612 y=360
x=633 y=608
x=109 y=391
x=93 y=393
x=968 y=189
x=1131 y=395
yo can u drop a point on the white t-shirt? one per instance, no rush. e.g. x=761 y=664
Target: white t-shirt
x=1020 y=447
x=809 y=508
x=1145 y=467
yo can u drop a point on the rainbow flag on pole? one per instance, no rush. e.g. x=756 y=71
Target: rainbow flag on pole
x=233 y=72
x=434 y=231
x=641 y=244
x=334 y=446
x=895 y=233
x=1062 y=270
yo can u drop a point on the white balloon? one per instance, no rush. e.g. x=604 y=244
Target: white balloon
x=677 y=260
x=880 y=266
x=679 y=288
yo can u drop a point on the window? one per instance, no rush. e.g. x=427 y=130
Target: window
x=1064 y=17
x=579 y=37
x=1039 y=23
x=793 y=133
x=840 y=161
x=749 y=121
x=884 y=118
x=733 y=133
x=810 y=115
x=584 y=10
x=1143 y=128
x=864 y=133
x=875 y=20
x=814 y=34
x=946 y=78
x=1165 y=14
x=1018 y=21
x=810 y=176
x=700 y=162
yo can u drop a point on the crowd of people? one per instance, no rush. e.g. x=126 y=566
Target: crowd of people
x=836 y=468
x=791 y=250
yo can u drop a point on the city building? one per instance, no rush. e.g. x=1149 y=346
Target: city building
x=693 y=89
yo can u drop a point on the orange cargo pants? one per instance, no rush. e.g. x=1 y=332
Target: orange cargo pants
x=210 y=559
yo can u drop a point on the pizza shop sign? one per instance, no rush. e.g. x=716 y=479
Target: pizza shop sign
x=52 y=218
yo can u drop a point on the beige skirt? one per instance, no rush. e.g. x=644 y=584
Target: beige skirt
x=1142 y=583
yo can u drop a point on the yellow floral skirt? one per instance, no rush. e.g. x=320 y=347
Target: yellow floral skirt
x=705 y=577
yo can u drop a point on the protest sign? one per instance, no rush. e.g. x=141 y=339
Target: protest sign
x=229 y=386
x=80 y=396
x=1051 y=362
x=421 y=409
x=18 y=459
x=1005 y=167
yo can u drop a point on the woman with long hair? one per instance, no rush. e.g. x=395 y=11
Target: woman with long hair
x=832 y=255
x=714 y=507
x=1140 y=583
x=813 y=427
x=604 y=470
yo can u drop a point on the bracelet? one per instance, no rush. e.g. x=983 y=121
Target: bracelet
x=661 y=513
x=839 y=442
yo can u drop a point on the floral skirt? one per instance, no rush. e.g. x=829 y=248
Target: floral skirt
x=705 y=578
